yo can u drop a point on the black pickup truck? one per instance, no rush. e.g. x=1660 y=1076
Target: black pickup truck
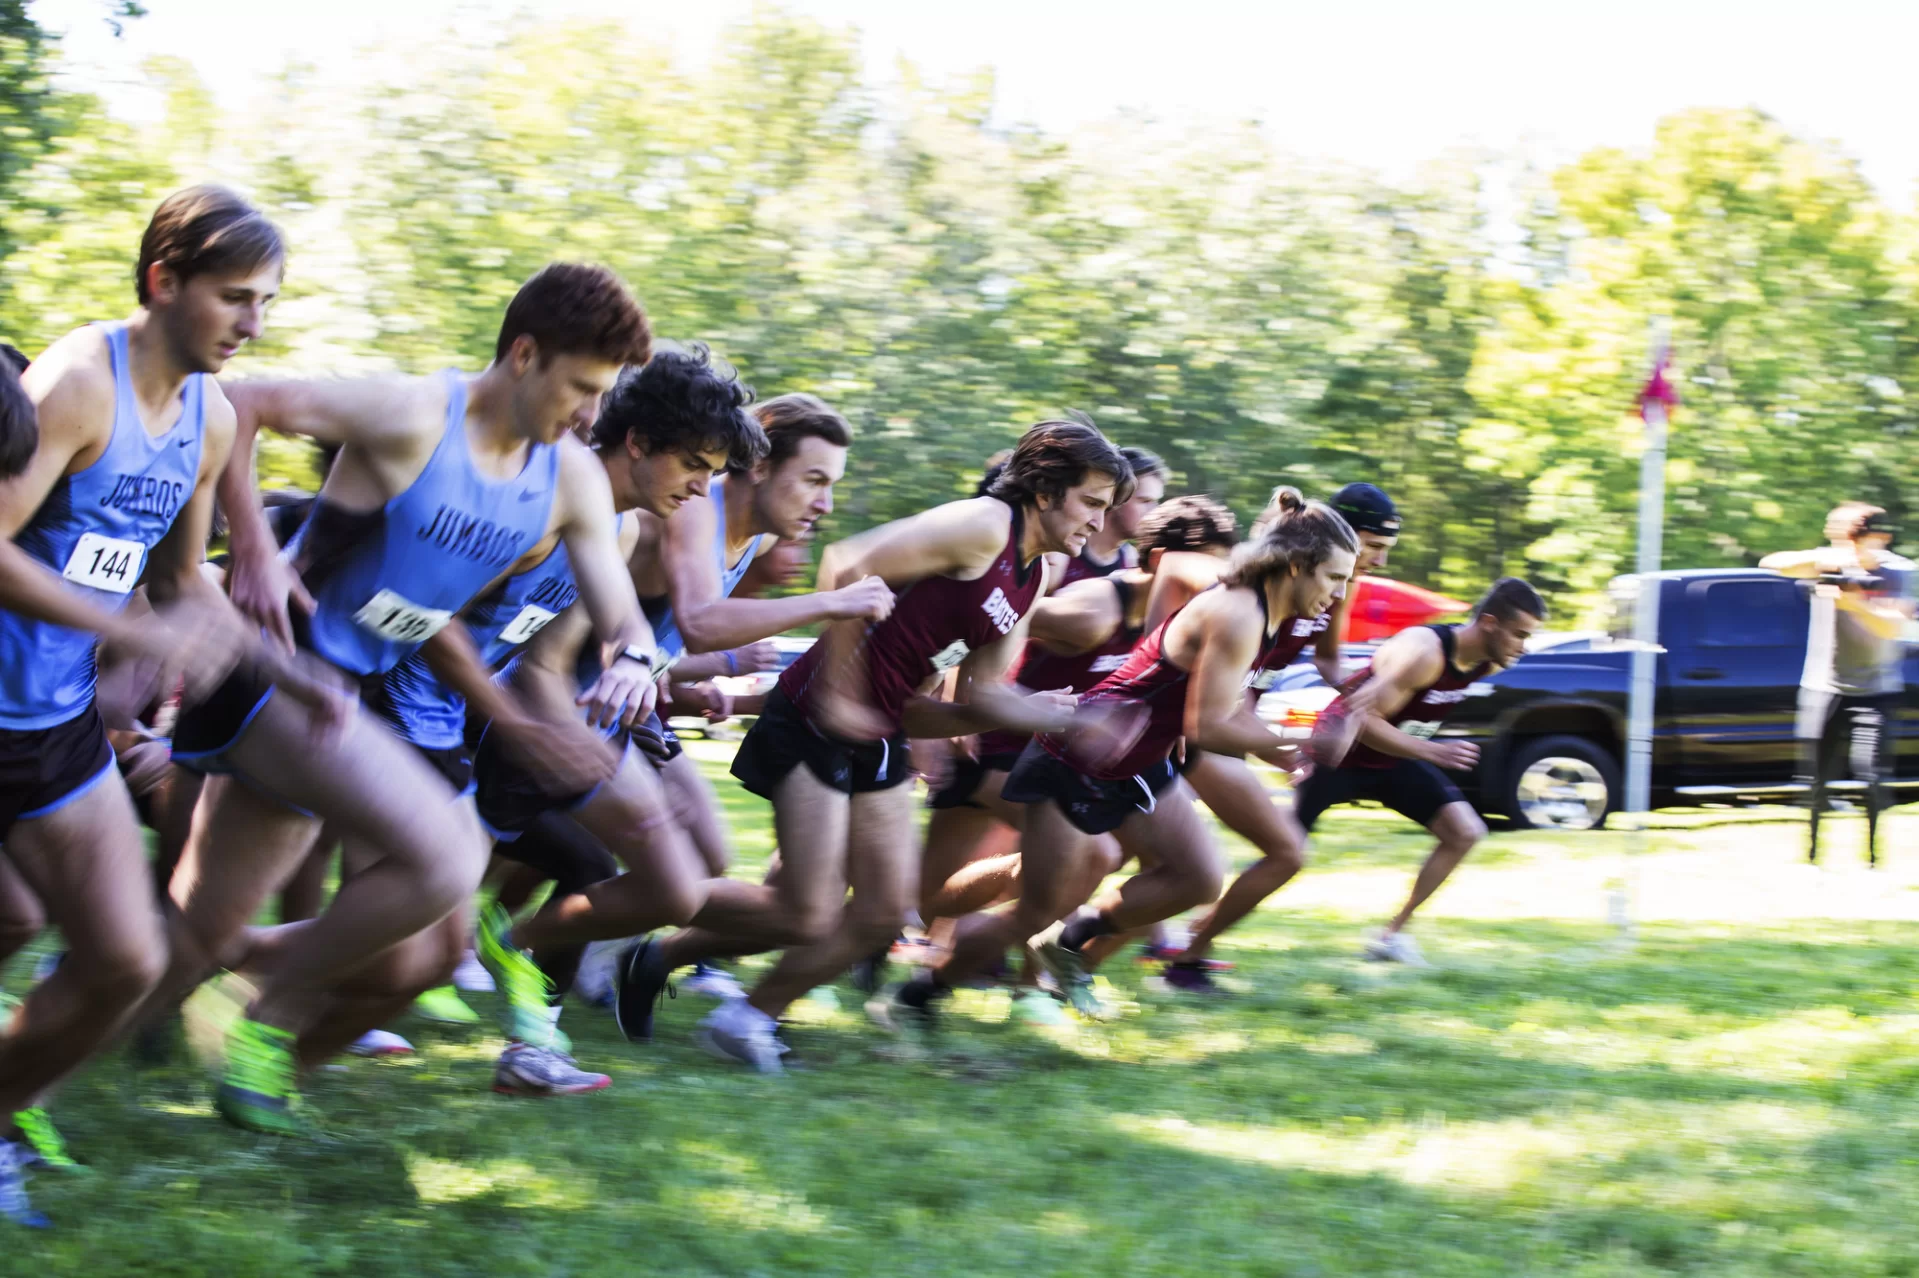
x=1552 y=730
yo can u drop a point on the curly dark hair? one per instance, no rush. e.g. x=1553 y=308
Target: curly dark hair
x=205 y=228
x=1057 y=455
x=570 y=309
x=19 y=422
x=682 y=401
x=1192 y=522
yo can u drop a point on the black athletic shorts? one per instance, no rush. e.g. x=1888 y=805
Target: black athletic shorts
x=208 y=729
x=1092 y=805
x=968 y=772
x=510 y=798
x=44 y=769
x=782 y=738
x=454 y=762
x=1411 y=787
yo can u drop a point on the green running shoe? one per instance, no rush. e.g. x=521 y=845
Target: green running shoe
x=43 y=1142
x=258 y=1092
x=445 y=1006
x=526 y=986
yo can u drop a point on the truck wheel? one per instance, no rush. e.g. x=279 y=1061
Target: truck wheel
x=1561 y=783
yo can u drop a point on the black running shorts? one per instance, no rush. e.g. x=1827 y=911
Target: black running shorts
x=510 y=798
x=1092 y=805
x=968 y=772
x=209 y=728
x=1411 y=787
x=782 y=738
x=44 y=769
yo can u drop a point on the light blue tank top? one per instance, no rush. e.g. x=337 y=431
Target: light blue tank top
x=432 y=715
x=385 y=582
x=95 y=529
x=659 y=610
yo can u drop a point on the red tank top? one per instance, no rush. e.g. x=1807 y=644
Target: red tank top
x=1081 y=566
x=934 y=624
x=1149 y=679
x=1041 y=670
x=1424 y=712
x=1300 y=633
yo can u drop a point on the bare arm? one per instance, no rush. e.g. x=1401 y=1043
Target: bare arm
x=952 y=540
x=1217 y=715
x=1078 y=619
x=1803 y=563
x=710 y=620
x=1403 y=665
x=625 y=691
x=985 y=700
x=1182 y=574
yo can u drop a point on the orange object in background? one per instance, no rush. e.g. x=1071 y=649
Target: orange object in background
x=1382 y=608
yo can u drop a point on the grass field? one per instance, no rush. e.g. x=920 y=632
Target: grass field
x=1734 y=1092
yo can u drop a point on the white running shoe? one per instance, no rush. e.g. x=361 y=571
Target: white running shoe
x=593 y=983
x=379 y=1042
x=712 y=982
x=1395 y=947
x=737 y=1031
x=471 y=975
x=526 y=1070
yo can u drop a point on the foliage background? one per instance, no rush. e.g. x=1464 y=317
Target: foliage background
x=946 y=282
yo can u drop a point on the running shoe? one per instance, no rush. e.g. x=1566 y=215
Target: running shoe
x=526 y=1070
x=379 y=1042
x=444 y=1005
x=1068 y=967
x=1037 y=1007
x=593 y=984
x=14 y=1204
x=1151 y=953
x=643 y=980
x=471 y=975
x=47 y=964
x=712 y=982
x=527 y=989
x=910 y=1016
x=744 y=1035
x=257 y=1092
x=42 y=1144
x=1395 y=947
x=1190 y=978
x=869 y=973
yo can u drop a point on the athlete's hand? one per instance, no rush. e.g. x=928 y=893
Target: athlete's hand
x=195 y=640
x=316 y=685
x=1335 y=731
x=1452 y=756
x=262 y=586
x=564 y=756
x=649 y=743
x=868 y=599
x=755 y=657
x=625 y=693
x=1103 y=731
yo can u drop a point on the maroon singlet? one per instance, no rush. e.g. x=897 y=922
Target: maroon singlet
x=1079 y=567
x=1149 y=678
x=934 y=624
x=1041 y=670
x=1423 y=713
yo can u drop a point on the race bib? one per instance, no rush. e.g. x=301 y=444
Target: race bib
x=398 y=620
x=106 y=563
x=949 y=656
x=1421 y=728
x=1261 y=680
x=530 y=622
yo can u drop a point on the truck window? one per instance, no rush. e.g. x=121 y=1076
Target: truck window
x=1749 y=614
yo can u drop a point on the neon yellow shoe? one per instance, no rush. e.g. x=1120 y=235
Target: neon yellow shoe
x=526 y=986
x=43 y=1139
x=258 y=1092
x=445 y=1006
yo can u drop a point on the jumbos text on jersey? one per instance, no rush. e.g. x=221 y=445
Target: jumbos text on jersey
x=474 y=537
x=142 y=494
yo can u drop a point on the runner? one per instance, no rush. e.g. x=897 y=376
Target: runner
x=1080 y=634
x=1111 y=548
x=442 y=483
x=116 y=487
x=1414 y=680
x=829 y=749
x=1114 y=772
x=687 y=568
x=1235 y=794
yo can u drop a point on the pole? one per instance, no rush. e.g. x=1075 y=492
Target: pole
x=1654 y=400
